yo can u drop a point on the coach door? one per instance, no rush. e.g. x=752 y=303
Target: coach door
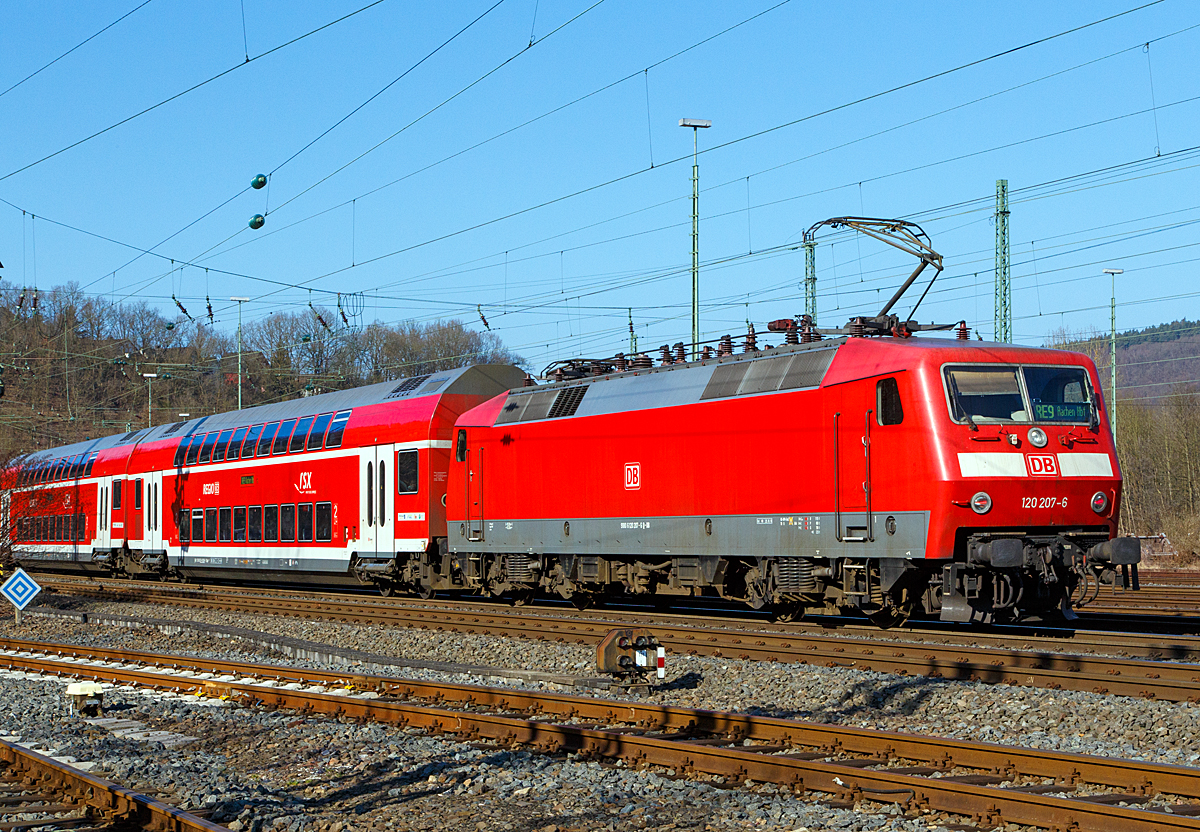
x=103 y=512
x=377 y=535
x=118 y=497
x=152 y=511
x=852 y=469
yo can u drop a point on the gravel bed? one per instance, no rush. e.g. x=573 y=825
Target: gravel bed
x=259 y=771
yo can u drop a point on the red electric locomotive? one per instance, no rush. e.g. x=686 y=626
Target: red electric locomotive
x=973 y=480
x=321 y=490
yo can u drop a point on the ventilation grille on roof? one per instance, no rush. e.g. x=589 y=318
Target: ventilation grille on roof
x=544 y=404
x=433 y=384
x=407 y=386
x=766 y=375
x=174 y=428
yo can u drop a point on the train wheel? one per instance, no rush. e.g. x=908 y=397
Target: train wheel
x=387 y=590
x=425 y=592
x=889 y=616
x=789 y=612
x=582 y=600
x=522 y=597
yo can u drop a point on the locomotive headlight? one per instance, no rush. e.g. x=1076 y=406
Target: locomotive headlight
x=981 y=503
x=1099 y=502
x=1037 y=437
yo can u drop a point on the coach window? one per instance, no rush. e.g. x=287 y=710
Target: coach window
x=235 y=445
x=193 y=450
x=239 y=524
x=406 y=472
x=287 y=523
x=198 y=525
x=118 y=487
x=271 y=523
x=324 y=522
x=226 y=524
x=222 y=444
x=210 y=525
x=60 y=527
x=183 y=522
x=318 y=432
x=370 y=495
x=251 y=441
x=281 y=438
x=137 y=495
x=304 y=522
x=301 y=434
x=256 y=524
x=268 y=436
x=87 y=471
x=334 y=438
x=206 y=449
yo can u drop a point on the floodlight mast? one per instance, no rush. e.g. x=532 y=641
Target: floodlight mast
x=906 y=236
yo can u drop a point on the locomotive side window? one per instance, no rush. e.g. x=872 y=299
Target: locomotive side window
x=301 y=434
x=281 y=438
x=197 y=524
x=268 y=436
x=206 y=449
x=222 y=444
x=318 y=432
x=334 y=439
x=324 y=522
x=226 y=524
x=210 y=525
x=118 y=487
x=235 y=445
x=287 y=523
x=406 y=472
x=985 y=394
x=239 y=524
x=888 y=408
x=460 y=447
x=251 y=441
x=256 y=517
x=271 y=523
x=304 y=522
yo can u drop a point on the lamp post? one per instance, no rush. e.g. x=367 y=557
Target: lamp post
x=240 y=301
x=150 y=397
x=1112 y=352
x=696 y=124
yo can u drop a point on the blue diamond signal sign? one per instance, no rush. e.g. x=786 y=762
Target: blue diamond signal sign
x=20 y=589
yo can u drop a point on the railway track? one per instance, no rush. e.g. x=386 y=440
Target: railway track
x=43 y=793
x=1035 y=661
x=990 y=784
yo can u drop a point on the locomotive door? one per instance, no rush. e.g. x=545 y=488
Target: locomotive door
x=474 y=481
x=852 y=469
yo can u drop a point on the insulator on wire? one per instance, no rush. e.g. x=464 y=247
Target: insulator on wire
x=21 y=300
x=751 y=344
x=342 y=311
x=665 y=356
x=486 y=325
x=35 y=299
x=208 y=302
x=182 y=308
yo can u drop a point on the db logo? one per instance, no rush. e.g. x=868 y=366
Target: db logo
x=1042 y=465
x=633 y=476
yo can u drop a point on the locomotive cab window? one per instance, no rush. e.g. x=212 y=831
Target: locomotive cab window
x=888 y=408
x=1058 y=394
x=460 y=447
x=406 y=472
x=985 y=394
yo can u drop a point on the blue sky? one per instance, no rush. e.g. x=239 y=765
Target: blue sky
x=1100 y=161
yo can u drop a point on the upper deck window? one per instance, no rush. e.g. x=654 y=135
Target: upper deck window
x=1002 y=393
x=334 y=438
x=301 y=434
x=317 y=436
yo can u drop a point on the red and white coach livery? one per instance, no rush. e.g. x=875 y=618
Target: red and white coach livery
x=324 y=489
x=889 y=474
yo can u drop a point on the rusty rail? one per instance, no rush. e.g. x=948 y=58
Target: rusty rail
x=987 y=782
x=1035 y=664
x=31 y=783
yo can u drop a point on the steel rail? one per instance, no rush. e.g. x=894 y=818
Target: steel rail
x=528 y=718
x=36 y=784
x=1167 y=680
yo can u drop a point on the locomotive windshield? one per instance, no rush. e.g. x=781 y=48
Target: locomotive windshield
x=999 y=393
